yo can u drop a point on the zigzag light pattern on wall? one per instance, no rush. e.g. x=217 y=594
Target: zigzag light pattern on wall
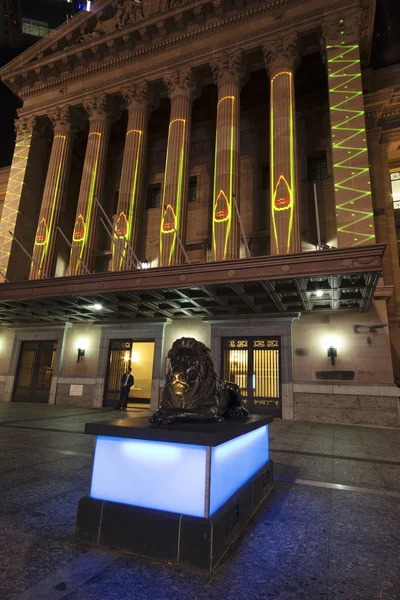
x=349 y=138
x=11 y=202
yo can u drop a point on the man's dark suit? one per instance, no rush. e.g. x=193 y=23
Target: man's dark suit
x=127 y=382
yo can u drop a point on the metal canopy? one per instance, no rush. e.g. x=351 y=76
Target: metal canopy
x=344 y=279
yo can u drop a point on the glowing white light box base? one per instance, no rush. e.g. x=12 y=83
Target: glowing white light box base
x=180 y=478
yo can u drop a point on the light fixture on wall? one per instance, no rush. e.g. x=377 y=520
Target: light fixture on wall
x=332 y=354
x=145 y=264
x=81 y=353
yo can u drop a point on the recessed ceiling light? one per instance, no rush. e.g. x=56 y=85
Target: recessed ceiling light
x=96 y=306
x=319 y=293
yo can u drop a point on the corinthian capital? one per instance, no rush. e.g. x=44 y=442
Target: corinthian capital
x=344 y=28
x=98 y=107
x=137 y=95
x=24 y=126
x=281 y=54
x=228 y=67
x=61 y=118
x=180 y=83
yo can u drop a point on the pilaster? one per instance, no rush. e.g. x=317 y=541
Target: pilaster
x=84 y=234
x=16 y=189
x=181 y=89
x=54 y=192
x=132 y=177
x=228 y=72
x=280 y=57
x=353 y=202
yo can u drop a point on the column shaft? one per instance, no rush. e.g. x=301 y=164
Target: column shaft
x=126 y=230
x=84 y=234
x=54 y=191
x=353 y=202
x=174 y=197
x=280 y=56
x=227 y=71
x=15 y=190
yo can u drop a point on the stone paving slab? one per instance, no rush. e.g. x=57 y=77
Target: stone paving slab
x=310 y=541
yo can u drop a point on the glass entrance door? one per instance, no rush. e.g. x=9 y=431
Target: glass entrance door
x=138 y=355
x=253 y=363
x=35 y=370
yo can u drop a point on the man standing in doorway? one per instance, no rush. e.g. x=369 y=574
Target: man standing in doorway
x=127 y=382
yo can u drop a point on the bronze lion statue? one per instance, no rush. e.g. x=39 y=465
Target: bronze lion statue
x=193 y=393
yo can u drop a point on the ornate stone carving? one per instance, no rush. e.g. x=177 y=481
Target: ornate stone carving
x=228 y=67
x=281 y=54
x=120 y=14
x=180 y=83
x=24 y=126
x=137 y=95
x=98 y=107
x=342 y=28
x=60 y=117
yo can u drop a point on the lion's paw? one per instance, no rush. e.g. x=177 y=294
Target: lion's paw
x=236 y=412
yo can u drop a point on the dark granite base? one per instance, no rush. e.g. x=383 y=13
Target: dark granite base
x=178 y=539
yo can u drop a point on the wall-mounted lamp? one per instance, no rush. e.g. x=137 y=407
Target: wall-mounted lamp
x=81 y=353
x=332 y=354
x=145 y=264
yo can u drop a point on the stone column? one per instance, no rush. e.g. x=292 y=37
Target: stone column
x=15 y=189
x=280 y=60
x=54 y=192
x=385 y=226
x=174 y=198
x=84 y=234
x=227 y=70
x=132 y=177
x=353 y=202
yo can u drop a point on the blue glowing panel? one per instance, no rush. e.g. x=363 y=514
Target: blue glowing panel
x=234 y=463
x=159 y=475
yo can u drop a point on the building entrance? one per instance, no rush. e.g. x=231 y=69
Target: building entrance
x=124 y=354
x=253 y=363
x=35 y=370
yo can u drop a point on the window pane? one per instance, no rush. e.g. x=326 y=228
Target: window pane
x=317 y=168
x=395 y=181
x=154 y=195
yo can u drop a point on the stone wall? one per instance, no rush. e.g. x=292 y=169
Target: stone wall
x=376 y=406
x=65 y=398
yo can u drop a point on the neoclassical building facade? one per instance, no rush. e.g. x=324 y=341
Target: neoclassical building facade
x=211 y=169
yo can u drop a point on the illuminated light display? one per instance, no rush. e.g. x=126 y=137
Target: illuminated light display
x=121 y=226
x=45 y=229
x=124 y=224
x=13 y=195
x=171 y=211
x=282 y=183
x=79 y=229
x=42 y=233
x=82 y=223
x=180 y=470
x=223 y=181
x=350 y=154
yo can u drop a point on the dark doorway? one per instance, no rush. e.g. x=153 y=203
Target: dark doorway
x=35 y=371
x=253 y=363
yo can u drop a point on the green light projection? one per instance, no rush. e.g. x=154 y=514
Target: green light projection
x=171 y=212
x=13 y=195
x=351 y=171
x=282 y=183
x=223 y=199
x=82 y=223
x=124 y=223
x=44 y=229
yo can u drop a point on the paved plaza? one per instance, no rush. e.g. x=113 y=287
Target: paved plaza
x=331 y=529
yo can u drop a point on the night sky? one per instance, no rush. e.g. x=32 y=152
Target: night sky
x=385 y=52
